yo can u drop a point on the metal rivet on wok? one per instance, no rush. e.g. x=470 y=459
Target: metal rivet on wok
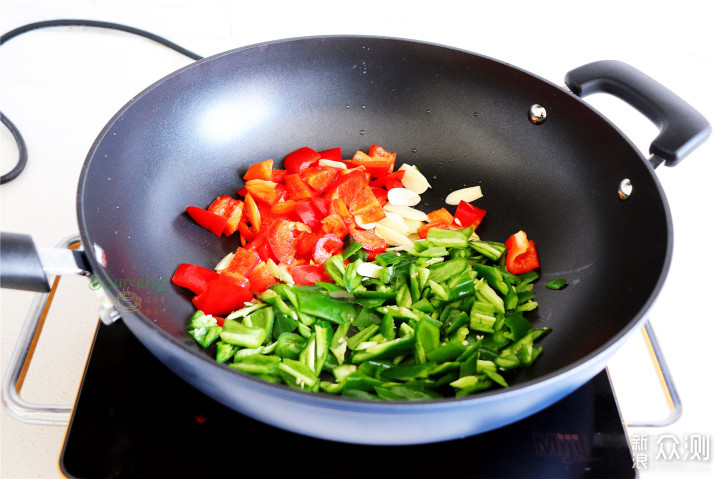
x=625 y=189
x=537 y=114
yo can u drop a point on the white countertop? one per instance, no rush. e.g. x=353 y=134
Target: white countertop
x=61 y=85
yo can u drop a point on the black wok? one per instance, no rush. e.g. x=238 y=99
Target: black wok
x=463 y=119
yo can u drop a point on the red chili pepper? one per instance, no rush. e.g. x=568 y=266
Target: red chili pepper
x=521 y=254
x=300 y=159
x=193 y=277
x=210 y=221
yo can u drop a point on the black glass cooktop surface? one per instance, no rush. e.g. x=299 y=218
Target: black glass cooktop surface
x=134 y=418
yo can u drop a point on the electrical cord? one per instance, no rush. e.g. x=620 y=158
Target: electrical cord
x=22 y=149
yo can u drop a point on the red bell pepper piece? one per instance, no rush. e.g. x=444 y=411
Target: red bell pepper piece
x=305 y=242
x=355 y=193
x=308 y=214
x=193 y=277
x=260 y=171
x=230 y=209
x=283 y=238
x=320 y=178
x=261 y=278
x=210 y=221
x=382 y=182
x=263 y=190
x=371 y=242
x=301 y=159
x=334 y=154
x=243 y=262
x=468 y=215
x=381 y=195
x=333 y=224
x=326 y=246
x=521 y=254
x=309 y=274
x=278 y=176
x=223 y=295
x=378 y=166
x=297 y=189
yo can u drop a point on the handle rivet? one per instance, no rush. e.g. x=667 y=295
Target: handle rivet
x=537 y=114
x=625 y=189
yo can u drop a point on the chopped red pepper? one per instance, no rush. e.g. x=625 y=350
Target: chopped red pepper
x=223 y=295
x=283 y=239
x=334 y=154
x=320 y=178
x=193 y=277
x=297 y=189
x=326 y=246
x=210 y=221
x=260 y=171
x=261 y=278
x=243 y=262
x=521 y=254
x=468 y=215
x=300 y=159
x=309 y=274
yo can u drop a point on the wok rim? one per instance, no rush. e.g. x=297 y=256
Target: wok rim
x=336 y=401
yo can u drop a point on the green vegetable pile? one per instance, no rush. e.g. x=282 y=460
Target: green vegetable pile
x=441 y=318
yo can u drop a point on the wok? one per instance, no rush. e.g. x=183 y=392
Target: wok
x=463 y=119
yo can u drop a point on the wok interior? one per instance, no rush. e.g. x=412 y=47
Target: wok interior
x=460 y=117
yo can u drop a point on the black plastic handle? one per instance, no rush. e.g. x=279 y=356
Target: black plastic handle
x=20 y=266
x=682 y=128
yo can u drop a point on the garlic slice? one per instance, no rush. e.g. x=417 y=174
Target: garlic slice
x=369 y=270
x=365 y=226
x=413 y=179
x=225 y=262
x=406 y=212
x=392 y=237
x=412 y=225
x=395 y=222
x=332 y=164
x=403 y=197
x=468 y=194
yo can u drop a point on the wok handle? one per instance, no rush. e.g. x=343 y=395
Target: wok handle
x=682 y=127
x=25 y=267
x=15 y=404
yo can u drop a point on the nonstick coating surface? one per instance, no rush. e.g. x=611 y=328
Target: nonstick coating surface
x=460 y=117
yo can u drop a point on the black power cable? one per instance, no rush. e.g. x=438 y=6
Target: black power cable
x=22 y=149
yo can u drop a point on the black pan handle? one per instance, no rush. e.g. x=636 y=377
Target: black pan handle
x=682 y=128
x=25 y=267
x=20 y=265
